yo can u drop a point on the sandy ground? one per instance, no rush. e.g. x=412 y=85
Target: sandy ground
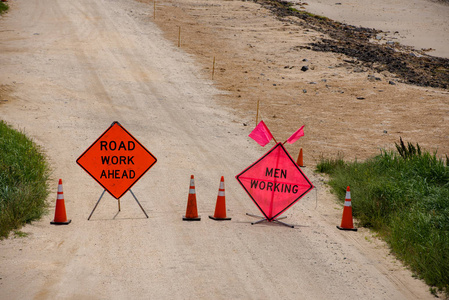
x=346 y=108
x=70 y=68
x=418 y=23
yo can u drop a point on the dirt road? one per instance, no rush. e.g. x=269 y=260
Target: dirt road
x=71 y=68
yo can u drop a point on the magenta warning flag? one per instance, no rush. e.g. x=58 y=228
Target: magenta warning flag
x=274 y=182
x=261 y=134
x=295 y=136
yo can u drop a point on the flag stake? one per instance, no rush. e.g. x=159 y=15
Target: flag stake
x=257 y=112
x=213 y=69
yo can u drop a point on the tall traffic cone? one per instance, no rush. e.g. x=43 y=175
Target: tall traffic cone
x=346 y=221
x=191 y=211
x=220 y=207
x=60 y=214
x=299 y=161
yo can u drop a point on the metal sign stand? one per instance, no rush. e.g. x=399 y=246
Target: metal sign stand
x=118 y=204
x=262 y=219
x=138 y=203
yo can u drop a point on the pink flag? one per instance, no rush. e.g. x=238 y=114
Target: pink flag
x=295 y=136
x=261 y=134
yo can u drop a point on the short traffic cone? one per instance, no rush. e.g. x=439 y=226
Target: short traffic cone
x=60 y=214
x=346 y=221
x=299 y=161
x=191 y=211
x=220 y=207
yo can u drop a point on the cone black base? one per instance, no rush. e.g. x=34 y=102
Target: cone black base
x=191 y=219
x=60 y=223
x=352 y=229
x=219 y=219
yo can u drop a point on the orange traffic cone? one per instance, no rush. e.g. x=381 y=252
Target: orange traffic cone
x=220 y=207
x=60 y=214
x=191 y=211
x=299 y=161
x=346 y=221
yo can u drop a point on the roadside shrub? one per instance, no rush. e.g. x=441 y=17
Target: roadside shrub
x=3 y=7
x=23 y=180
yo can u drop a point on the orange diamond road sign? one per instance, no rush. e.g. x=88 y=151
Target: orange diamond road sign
x=116 y=160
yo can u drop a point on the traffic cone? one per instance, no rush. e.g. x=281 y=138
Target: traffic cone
x=191 y=211
x=220 y=207
x=60 y=214
x=346 y=221
x=299 y=161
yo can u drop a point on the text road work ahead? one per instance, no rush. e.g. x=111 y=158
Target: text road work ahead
x=117 y=159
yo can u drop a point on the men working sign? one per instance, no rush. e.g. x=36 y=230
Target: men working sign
x=274 y=182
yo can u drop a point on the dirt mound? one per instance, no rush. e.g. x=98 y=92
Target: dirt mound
x=411 y=65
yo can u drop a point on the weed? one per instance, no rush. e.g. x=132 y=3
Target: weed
x=3 y=7
x=409 y=151
x=328 y=165
x=20 y=234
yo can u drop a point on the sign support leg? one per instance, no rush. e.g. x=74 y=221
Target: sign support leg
x=138 y=203
x=282 y=223
x=256 y=216
x=262 y=219
x=96 y=205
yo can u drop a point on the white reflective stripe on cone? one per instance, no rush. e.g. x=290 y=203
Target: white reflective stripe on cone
x=192 y=191
x=221 y=193
x=348 y=195
x=347 y=203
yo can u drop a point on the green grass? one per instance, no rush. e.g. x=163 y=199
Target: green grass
x=404 y=196
x=290 y=7
x=23 y=180
x=3 y=7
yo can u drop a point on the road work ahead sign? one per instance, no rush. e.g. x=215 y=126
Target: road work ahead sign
x=274 y=182
x=116 y=160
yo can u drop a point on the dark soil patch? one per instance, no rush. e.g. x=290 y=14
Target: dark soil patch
x=410 y=65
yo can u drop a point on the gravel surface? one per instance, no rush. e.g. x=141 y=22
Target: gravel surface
x=71 y=68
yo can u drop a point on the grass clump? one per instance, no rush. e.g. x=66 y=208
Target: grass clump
x=404 y=196
x=23 y=180
x=327 y=165
x=3 y=7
